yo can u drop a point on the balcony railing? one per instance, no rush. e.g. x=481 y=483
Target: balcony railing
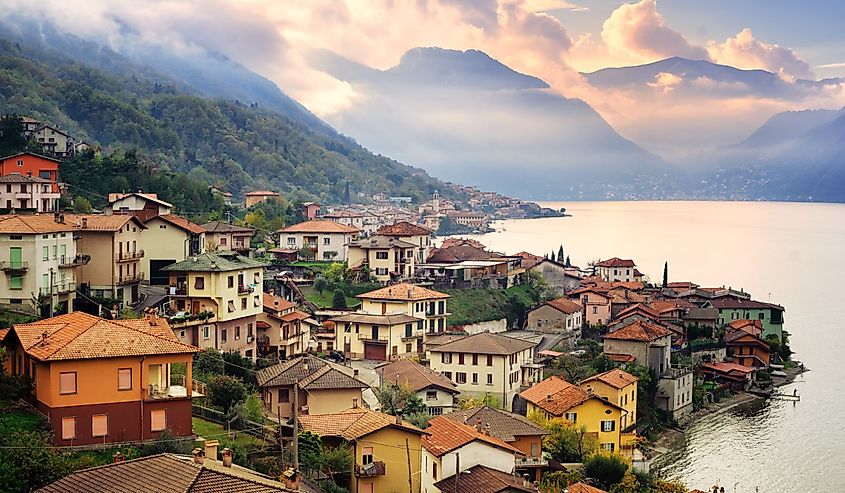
x=18 y=266
x=66 y=262
x=244 y=289
x=59 y=288
x=129 y=256
x=370 y=338
x=176 y=390
x=371 y=470
x=412 y=335
x=129 y=279
x=531 y=462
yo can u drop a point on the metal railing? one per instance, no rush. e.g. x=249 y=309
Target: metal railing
x=66 y=262
x=17 y=266
x=531 y=462
x=369 y=337
x=130 y=278
x=128 y=256
x=58 y=288
x=244 y=289
x=371 y=470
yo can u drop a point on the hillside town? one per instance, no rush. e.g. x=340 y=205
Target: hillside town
x=352 y=351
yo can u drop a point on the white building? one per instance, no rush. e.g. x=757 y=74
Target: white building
x=143 y=205
x=436 y=391
x=617 y=270
x=324 y=240
x=18 y=192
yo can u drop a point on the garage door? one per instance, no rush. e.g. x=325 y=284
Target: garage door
x=375 y=351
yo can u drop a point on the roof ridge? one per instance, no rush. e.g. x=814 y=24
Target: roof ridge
x=63 y=326
x=176 y=341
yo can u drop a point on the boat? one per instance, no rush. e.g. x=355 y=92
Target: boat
x=779 y=373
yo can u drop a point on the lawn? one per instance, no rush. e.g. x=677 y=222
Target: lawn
x=214 y=431
x=324 y=299
x=12 y=419
x=470 y=306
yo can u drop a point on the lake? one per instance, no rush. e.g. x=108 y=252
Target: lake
x=787 y=253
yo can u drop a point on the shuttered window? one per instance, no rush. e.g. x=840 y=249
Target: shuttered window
x=67 y=383
x=158 y=419
x=124 y=379
x=68 y=428
x=99 y=425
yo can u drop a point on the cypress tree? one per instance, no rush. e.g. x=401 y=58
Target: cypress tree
x=560 y=256
x=665 y=274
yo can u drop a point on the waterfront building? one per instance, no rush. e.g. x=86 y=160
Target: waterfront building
x=730 y=309
x=616 y=386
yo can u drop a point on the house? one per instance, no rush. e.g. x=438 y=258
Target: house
x=386 y=258
x=597 y=306
x=770 y=315
x=650 y=344
x=21 y=193
x=349 y=218
x=410 y=299
x=283 y=331
x=54 y=141
x=616 y=386
x=448 y=441
x=558 y=316
x=105 y=381
x=585 y=488
x=554 y=397
x=617 y=269
x=114 y=243
x=143 y=205
x=322 y=240
x=252 y=198
x=378 y=337
x=169 y=239
x=473 y=220
x=483 y=479
x=223 y=194
x=416 y=235
x=555 y=274
x=513 y=429
x=487 y=365
x=731 y=375
x=167 y=472
x=674 y=392
x=386 y=450
x=310 y=210
x=217 y=299
x=227 y=236
x=39 y=259
x=436 y=391
x=32 y=165
x=745 y=345
x=324 y=387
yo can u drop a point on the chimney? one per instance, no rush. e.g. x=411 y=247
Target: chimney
x=84 y=223
x=211 y=448
x=56 y=217
x=227 y=457
x=487 y=429
x=291 y=478
x=399 y=418
x=355 y=372
x=549 y=398
x=478 y=425
x=118 y=457
x=198 y=455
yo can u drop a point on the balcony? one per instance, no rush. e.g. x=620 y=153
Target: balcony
x=183 y=319
x=129 y=279
x=176 y=390
x=244 y=289
x=17 y=266
x=371 y=470
x=129 y=256
x=66 y=262
x=415 y=334
x=370 y=338
x=531 y=462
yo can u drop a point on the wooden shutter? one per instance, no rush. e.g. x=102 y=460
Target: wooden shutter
x=158 y=419
x=67 y=383
x=124 y=379
x=99 y=425
x=68 y=428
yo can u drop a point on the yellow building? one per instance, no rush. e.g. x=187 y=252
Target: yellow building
x=409 y=299
x=386 y=258
x=616 y=386
x=386 y=449
x=378 y=337
x=169 y=239
x=554 y=397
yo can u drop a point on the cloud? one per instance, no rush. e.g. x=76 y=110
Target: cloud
x=744 y=51
x=832 y=65
x=666 y=81
x=547 y=5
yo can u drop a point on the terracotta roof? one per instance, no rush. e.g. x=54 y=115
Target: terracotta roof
x=616 y=262
x=583 y=488
x=555 y=395
x=620 y=358
x=317 y=226
x=728 y=368
x=729 y=303
x=418 y=377
x=342 y=214
x=261 y=193
x=682 y=285
x=450 y=242
x=616 y=378
x=276 y=303
x=482 y=479
x=225 y=261
x=114 y=197
x=504 y=425
x=661 y=306
x=19 y=178
x=638 y=309
x=353 y=424
x=164 y=473
x=180 y=222
x=3 y=333
x=102 y=222
x=565 y=305
x=485 y=343
x=79 y=335
x=377 y=241
x=403 y=228
x=366 y=318
x=403 y=292
x=458 y=253
x=221 y=227
x=311 y=373
x=33 y=224
x=294 y=315
x=639 y=330
x=446 y=435
x=750 y=326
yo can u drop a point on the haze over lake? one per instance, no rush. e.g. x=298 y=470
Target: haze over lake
x=786 y=253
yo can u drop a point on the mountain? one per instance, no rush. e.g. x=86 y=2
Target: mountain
x=469 y=118
x=786 y=126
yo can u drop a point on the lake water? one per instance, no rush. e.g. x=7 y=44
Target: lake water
x=788 y=253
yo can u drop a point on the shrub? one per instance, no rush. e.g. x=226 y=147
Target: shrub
x=225 y=391
x=607 y=469
x=339 y=299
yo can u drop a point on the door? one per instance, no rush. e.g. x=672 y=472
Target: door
x=376 y=352
x=16 y=257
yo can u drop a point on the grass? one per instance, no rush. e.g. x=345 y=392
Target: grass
x=469 y=306
x=12 y=419
x=214 y=431
x=324 y=299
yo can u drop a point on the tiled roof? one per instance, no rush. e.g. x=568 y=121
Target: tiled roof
x=331 y=377
x=317 y=226
x=164 y=473
x=751 y=326
x=729 y=303
x=616 y=378
x=3 y=333
x=446 y=435
x=616 y=262
x=261 y=193
x=662 y=306
x=215 y=262
x=482 y=479
x=366 y=318
x=727 y=368
x=180 y=222
x=310 y=372
x=19 y=178
x=353 y=424
x=114 y=197
x=685 y=285
x=565 y=305
x=378 y=241
x=276 y=303
x=33 y=224
x=555 y=395
x=638 y=330
x=403 y=292
x=342 y=214
x=503 y=424
x=418 y=377
x=638 y=309
x=4 y=158
x=294 y=315
x=79 y=335
x=583 y=488
x=458 y=253
x=221 y=227
x=485 y=343
x=620 y=358
x=102 y=222
x=403 y=228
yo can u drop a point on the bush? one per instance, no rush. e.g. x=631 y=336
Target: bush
x=339 y=300
x=607 y=469
x=209 y=362
x=225 y=391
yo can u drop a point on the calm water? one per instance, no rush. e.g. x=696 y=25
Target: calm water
x=792 y=254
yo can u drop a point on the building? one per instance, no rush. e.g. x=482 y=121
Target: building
x=386 y=450
x=473 y=220
x=39 y=259
x=386 y=258
x=310 y=210
x=731 y=375
x=770 y=315
x=650 y=344
x=349 y=218
x=586 y=488
x=225 y=236
x=105 y=381
x=452 y=446
x=483 y=479
x=555 y=274
x=409 y=299
x=416 y=235
x=169 y=239
x=674 y=392
x=283 y=331
x=558 y=316
x=228 y=198
x=378 y=337
x=617 y=386
x=114 y=244
x=19 y=193
x=324 y=387
x=322 y=240
x=513 y=429
x=216 y=298
x=554 y=397
x=487 y=365
x=437 y=392
x=597 y=306
x=143 y=205
x=745 y=345
x=32 y=165
x=252 y=198
x=617 y=270
x=54 y=141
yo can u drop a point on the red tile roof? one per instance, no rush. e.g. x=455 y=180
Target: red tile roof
x=353 y=424
x=565 y=305
x=33 y=224
x=616 y=378
x=403 y=228
x=639 y=330
x=555 y=395
x=499 y=423
x=181 y=222
x=729 y=303
x=482 y=479
x=446 y=435
x=318 y=226
x=728 y=368
x=485 y=343
x=616 y=262
x=583 y=488
x=403 y=292
x=276 y=303
x=620 y=358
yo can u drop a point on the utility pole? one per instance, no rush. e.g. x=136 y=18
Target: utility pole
x=457 y=472
x=295 y=426
x=410 y=474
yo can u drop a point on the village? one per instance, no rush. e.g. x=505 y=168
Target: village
x=353 y=351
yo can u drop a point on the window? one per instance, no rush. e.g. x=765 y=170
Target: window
x=431 y=395
x=249 y=329
x=489 y=360
x=291 y=240
x=230 y=282
x=223 y=335
x=124 y=379
x=475 y=378
x=446 y=357
x=327 y=241
x=67 y=383
x=447 y=374
x=222 y=241
x=206 y=332
x=366 y=488
x=761 y=316
x=571 y=417
x=381 y=255
x=595 y=310
x=284 y=396
x=474 y=360
x=381 y=271
x=237 y=332
x=461 y=377
x=489 y=379
x=99 y=425
x=243 y=303
x=435 y=411
x=68 y=428
x=231 y=306
x=199 y=283
x=608 y=425
x=45 y=253
x=608 y=446
x=367 y=456
x=434 y=470
x=158 y=419
x=460 y=358
x=535 y=449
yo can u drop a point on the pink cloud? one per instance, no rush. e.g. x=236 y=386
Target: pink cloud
x=744 y=51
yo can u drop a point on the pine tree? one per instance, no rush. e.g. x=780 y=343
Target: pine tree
x=665 y=274
x=560 y=256
x=552 y=258
x=568 y=264
x=346 y=194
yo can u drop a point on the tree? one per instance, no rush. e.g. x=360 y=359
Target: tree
x=560 y=254
x=12 y=138
x=320 y=284
x=414 y=405
x=337 y=460
x=28 y=462
x=210 y=362
x=566 y=442
x=252 y=408
x=393 y=397
x=420 y=420
x=346 y=198
x=568 y=263
x=471 y=402
x=81 y=205
x=666 y=274
x=339 y=300
x=225 y=391
x=607 y=469
x=310 y=452
x=552 y=256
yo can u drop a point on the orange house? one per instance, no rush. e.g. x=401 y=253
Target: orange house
x=744 y=344
x=29 y=164
x=102 y=381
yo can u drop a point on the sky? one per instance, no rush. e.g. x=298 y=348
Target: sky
x=551 y=39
